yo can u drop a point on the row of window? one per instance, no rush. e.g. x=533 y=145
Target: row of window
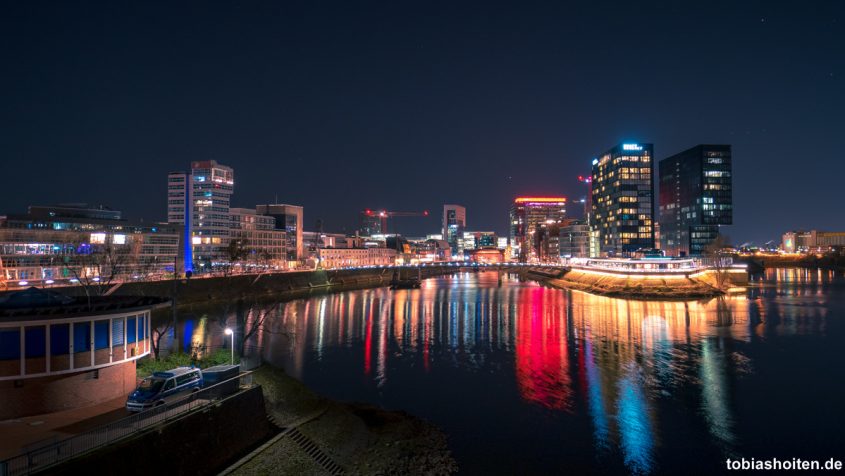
x=61 y=335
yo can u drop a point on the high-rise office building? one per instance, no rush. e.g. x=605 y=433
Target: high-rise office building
x=288 y=218
x=527 y=217
x=695 y=198
x=199 y=201
x=371 y=223
x=623 y=199
x=454 y=224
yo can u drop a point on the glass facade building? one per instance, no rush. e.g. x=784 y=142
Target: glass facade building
x=57 y=244
x=623 y=199
x=370 y=223
x=454 y=224
x=528 y=217
x=695 y=198
x=575 y=239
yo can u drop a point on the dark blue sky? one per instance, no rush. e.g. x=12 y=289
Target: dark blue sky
x=408 y=105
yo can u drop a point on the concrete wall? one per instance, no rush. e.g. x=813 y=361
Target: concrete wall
x=201 y=443
x=36 y=396
x=278 y=285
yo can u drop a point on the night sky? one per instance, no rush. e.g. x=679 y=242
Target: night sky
x=409 y=105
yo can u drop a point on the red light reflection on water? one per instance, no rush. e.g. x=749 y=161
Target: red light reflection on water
x=542 y=363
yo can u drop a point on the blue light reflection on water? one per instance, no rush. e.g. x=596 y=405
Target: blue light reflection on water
x=634 y=426
x=526 y=379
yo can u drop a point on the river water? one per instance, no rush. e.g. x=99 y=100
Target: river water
x=526 y=379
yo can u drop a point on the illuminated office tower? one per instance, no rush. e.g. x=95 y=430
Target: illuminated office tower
x=695 y=198
x=623 y=199
x=454 y=224
x=199 y=200
x=529 y=216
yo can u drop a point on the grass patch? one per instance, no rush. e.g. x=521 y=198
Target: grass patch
x=149 y=365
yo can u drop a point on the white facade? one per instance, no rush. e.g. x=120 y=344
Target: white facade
x=263 y=243
x=352 y=257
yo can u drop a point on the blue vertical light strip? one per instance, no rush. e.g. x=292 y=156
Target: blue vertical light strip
x=187 y=336
x=189 y=251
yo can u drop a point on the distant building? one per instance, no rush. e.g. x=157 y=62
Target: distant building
x=623 y=199
x=54 y=245
x=258 y=237
x=290 y=219
x=354 y=257
x=59 y=352
x=695 y=198
x=547 y=242
x=454 y=224
x=526 y=215
x=316 y=240
x=199 y=201
x=575 y=239
x=812 y=241
x=473 y=240
x=371 y=223
x=486 y=255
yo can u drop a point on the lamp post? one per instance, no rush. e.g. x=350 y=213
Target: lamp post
x=230 y=332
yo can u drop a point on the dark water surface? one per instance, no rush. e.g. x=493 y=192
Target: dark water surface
x=531 y=380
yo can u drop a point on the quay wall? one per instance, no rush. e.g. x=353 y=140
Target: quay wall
x=287 y=285
x=202 y=442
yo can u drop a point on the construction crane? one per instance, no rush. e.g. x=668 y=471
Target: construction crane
x=383 y=215
x=588 y=181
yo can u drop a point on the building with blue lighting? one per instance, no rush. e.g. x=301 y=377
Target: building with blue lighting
x=199 y=201
x=623 y=199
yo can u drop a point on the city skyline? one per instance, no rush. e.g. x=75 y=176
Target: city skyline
x=330 y=107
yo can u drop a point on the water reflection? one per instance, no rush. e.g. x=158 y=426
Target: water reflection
x=627 y=370
x=624 y=353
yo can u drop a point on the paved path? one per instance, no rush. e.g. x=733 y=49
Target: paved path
x=19 y=433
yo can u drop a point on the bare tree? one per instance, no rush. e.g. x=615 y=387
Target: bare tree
x=250 y=319
x=158 y=332
x=718 y=261
x=96 y=266
x=237 y=251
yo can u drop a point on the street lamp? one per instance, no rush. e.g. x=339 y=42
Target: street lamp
x=230 y=332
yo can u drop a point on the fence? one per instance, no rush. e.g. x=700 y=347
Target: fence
x=54 y=453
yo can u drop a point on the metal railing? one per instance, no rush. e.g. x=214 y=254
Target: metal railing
x=37 y=459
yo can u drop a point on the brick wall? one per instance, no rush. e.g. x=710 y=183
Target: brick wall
x=62 y=392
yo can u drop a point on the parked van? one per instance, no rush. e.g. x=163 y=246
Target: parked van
x=162 y=387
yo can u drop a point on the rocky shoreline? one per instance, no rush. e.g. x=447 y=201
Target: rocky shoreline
x=360 y=438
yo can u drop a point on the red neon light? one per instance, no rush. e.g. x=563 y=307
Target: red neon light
x=540 y=199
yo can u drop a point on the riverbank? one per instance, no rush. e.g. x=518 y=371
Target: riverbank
x=277 y=286
x=827 y=261
x=360 y=438
x=632 y=286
